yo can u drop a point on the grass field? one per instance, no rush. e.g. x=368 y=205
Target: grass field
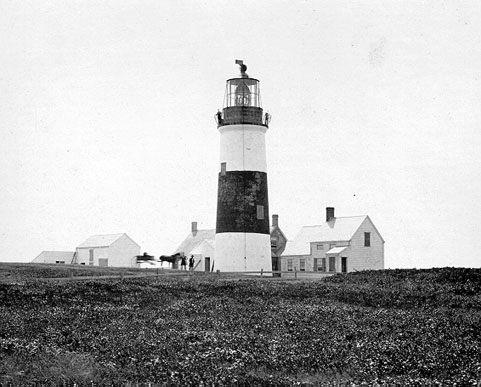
x=10 y=272
x=402 y=327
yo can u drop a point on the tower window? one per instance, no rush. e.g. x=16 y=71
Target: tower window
x=367 y=239
x=274 y=242
x=260 y=212
x=223 y=167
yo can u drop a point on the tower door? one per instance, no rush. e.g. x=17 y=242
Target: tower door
x=207 y=264
x=344 y=264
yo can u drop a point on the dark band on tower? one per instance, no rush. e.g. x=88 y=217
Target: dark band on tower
x=242 y=203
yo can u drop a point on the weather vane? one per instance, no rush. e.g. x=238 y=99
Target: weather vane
x=243 y=68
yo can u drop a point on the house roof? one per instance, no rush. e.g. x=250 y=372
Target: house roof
x=338 y=229
x=195 y=239
x=336 y=250
x=101 y=240
x=209 y=243
x=54 y=256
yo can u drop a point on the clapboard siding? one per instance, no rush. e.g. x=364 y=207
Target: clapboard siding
x=351 y=231
x=366 y=258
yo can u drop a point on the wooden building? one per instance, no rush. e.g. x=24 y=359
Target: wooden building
x=200 y=244
x=59 y=257
x=118 y=250
x=342 y=244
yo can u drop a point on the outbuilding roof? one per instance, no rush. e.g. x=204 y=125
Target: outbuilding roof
x=209 y=243
x=54 y=256
x=195 y=239
x=337 y=229
x=101 y=240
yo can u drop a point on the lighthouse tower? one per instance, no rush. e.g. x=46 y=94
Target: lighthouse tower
x=242 y=239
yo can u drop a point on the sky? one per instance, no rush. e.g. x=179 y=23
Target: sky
x=107 y=119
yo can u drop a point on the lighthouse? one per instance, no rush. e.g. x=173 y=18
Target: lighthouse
x=242 y=239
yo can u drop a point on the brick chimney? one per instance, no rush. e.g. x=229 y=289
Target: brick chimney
x=194 y=228
x=329 y=214
x=275 y=220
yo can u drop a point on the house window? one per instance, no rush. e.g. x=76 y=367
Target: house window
x=331 y=245
x=367 y=239
x=321 y=264
x=91 y=256
x=302 y=264
x=289 y=264
x=260 y=212
x=332 y=263
x=223 y=168
x=59 y=261
x=320 y=247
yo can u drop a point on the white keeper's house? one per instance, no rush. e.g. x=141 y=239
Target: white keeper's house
x=118 y=250
x=339 y=245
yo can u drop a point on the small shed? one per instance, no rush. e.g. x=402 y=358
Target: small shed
x=118 y=250
x=200 y=244
x=59 y=257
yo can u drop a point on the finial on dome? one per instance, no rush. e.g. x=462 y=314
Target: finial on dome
x=243 y=68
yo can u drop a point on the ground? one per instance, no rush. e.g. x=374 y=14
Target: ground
x=412 y=327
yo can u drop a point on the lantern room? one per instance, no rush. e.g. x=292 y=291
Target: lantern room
x=242 y=102
x=242 y=92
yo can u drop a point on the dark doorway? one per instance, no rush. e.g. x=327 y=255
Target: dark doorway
x=332 y=263
x=344 y=264
x=276 y=266
x=207 y=264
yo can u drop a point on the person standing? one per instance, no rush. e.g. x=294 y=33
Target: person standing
x=183 y=262
x=191 y=263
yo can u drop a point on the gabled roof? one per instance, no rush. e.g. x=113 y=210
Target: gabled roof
x=102 y=240
x=195 y=239
x=338 y=229
x=207 y=243
x=54 y=256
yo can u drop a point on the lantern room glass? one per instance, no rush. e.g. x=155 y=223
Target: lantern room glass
x=242 y=92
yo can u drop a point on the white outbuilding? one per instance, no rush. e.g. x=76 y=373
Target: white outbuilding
x=59 y=257
x=118 y=250
x=200 y=244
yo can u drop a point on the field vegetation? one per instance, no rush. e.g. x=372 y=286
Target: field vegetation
x=404 y=327
x=10 y=272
